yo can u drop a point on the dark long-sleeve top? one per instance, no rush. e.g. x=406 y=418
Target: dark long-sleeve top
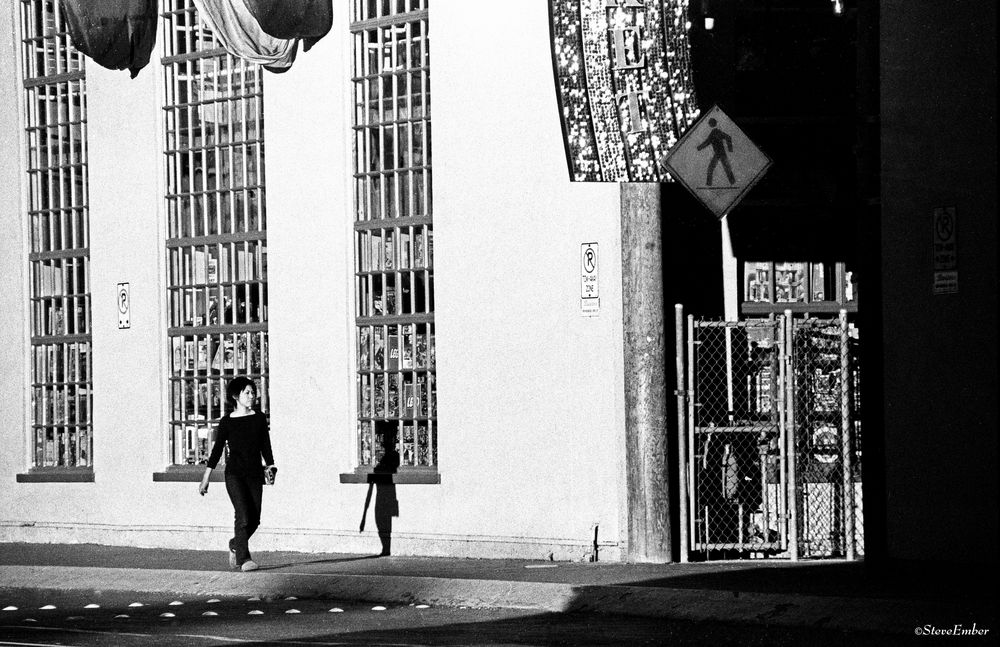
x=248 y=440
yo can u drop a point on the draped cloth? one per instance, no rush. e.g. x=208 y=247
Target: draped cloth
x=116 y=34
x=241 y=35
x=309 y=20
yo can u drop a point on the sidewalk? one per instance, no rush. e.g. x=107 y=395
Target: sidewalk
x=831 y=594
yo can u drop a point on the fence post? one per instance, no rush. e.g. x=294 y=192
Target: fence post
x=782 y=407
x=729 y=374
x=682 y=456
x=846 y=450
x=793 y=517
x=692 y=486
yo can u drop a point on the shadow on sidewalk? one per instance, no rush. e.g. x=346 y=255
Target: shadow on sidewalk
x=843 y=579
x=274 y=567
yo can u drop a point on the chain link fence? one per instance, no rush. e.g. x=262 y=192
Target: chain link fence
x=770 y=442
x=827 y=438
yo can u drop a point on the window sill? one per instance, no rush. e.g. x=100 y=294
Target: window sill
x=407 y=476
x=57 y=475
x=187 y=474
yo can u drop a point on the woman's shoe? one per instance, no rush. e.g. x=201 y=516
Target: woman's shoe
x=232 y=559
x=249 y=565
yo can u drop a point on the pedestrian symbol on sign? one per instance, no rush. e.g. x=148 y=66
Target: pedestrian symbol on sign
x=720 y=142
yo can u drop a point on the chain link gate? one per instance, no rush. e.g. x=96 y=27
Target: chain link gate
x=770 y=452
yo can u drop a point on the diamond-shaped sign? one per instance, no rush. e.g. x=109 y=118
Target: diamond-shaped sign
x=717 y=162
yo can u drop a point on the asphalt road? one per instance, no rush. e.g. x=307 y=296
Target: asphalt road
x=40 y=618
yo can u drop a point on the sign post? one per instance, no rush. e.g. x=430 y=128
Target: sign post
x=646 y=469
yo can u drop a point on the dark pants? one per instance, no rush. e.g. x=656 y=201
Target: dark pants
x=245 y=493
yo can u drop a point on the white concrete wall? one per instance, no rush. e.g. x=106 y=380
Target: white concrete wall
x=13 y=281
x=530 y=392
x=531 y=445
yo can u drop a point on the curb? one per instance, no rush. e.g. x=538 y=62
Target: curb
x=884 y=616
x=374 y=588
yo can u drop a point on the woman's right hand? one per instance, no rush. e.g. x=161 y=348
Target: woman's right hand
x=203 y=488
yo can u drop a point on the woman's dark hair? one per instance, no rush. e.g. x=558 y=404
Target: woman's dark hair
x=236 y=386
x=386 y=429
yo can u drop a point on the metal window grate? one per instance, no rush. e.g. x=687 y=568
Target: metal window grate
x=216 y=245
x=59 y=258
x=394 y=237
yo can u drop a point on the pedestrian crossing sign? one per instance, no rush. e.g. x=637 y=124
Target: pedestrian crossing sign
x=716 y=161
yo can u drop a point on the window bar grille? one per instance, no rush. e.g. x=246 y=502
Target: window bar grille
x=393 y=230
x=55 y=126
x=216 y=239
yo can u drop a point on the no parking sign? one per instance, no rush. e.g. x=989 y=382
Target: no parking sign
x=124 y=306
x=590 y=295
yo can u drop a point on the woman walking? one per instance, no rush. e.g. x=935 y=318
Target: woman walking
x=244 y=435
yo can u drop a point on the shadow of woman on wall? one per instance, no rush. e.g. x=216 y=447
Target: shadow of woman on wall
x=381 y=481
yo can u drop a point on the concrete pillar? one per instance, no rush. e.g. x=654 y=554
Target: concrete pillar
x=645 y=374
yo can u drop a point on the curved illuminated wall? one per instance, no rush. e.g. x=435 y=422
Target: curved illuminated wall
x=623 y=79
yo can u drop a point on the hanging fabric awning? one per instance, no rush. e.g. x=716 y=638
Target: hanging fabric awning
x=241 y=35
x=116 y=34
x=308 y=20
